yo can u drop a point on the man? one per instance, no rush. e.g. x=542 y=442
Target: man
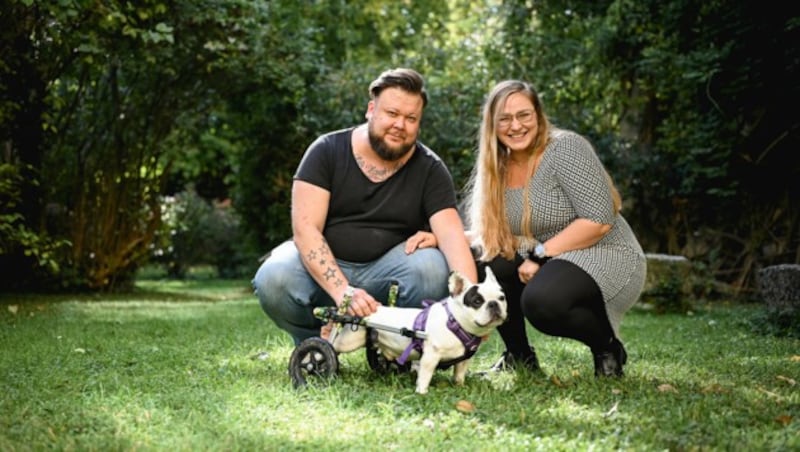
x=362 y=199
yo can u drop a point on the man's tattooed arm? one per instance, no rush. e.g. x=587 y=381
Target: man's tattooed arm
x=322 y=265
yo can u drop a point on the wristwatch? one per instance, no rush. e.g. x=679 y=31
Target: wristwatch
x=540 y=252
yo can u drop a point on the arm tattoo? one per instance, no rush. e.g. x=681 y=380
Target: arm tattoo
x=319 y=256
x=311 y=256
x=321 y=252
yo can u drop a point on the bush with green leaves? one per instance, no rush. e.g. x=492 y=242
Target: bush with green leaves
x=19 y=244
x=198 y=232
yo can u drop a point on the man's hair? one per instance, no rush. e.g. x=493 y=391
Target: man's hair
x=408 y=80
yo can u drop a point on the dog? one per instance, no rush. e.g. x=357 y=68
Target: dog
x=472 y=311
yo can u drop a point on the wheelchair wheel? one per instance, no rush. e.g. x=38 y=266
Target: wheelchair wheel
x=377 y=362
x=313 y=358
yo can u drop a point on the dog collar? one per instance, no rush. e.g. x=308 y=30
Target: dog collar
x=470 y=341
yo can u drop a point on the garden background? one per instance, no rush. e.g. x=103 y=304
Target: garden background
x=147 y=152
x=168 y=132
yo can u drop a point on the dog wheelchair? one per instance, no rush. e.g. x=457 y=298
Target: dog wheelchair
x=316 y=358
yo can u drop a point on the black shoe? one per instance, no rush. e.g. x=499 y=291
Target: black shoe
x=509 y=362
x=609 y=362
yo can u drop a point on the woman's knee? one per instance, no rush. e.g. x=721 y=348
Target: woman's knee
x=540 y=307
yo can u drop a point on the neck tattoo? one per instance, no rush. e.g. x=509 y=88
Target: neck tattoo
x=377 y=173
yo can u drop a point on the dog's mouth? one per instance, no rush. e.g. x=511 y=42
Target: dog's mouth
x=494 y=321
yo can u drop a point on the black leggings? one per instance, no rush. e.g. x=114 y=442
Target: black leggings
x=560 y=300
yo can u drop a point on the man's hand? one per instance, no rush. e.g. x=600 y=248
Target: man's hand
x=421 y=239
x=362 y=304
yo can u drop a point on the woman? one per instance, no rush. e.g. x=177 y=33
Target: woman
x=544 y=214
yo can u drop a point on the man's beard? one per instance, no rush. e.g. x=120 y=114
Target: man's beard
x=384 y=151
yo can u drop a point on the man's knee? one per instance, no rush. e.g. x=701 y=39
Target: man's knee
x=271 y=285
x=430 y=261
x=428 y=275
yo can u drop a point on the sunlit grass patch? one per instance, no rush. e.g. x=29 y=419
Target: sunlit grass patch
x=196 y=365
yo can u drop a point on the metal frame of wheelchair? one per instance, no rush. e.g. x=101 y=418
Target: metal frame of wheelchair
x=316 y=359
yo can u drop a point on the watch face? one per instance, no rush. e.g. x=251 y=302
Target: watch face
x=539 y=250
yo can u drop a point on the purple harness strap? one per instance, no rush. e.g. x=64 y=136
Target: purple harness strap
x=470 y=341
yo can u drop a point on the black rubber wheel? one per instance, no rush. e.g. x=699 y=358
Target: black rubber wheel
x=313 y=358
x=377 y=362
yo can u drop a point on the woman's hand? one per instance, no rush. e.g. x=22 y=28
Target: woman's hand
x=422 y=239
x=526 y=270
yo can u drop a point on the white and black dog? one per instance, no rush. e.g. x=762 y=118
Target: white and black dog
x=452 y=329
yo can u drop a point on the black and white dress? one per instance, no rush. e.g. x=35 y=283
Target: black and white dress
x=571 y=183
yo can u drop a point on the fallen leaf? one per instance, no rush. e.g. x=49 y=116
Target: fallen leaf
x=616 y=391
x=787 y=380
x=769 y=393
x=556 y=381
x=784 y=419
x=795 y=358
x=612 y=410
x=714 y=388
x=260 y=356
x=465 y=406
x=80 y=350
x=666 y=387
x=12 y=308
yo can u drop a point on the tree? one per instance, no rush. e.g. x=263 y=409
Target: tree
x=685 y=102
x=116 y=91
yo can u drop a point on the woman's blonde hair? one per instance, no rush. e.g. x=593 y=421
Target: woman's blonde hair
x=486 y=207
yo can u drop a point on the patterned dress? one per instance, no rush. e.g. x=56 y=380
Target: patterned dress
x=571 y=183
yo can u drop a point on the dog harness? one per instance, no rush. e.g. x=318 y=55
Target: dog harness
x=470 y=341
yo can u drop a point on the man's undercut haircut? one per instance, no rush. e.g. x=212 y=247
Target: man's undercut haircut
x=408 y=80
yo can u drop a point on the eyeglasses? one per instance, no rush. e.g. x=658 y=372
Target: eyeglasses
x=524 y=117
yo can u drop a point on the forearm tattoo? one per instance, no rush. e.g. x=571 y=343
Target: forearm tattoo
x=322 y=258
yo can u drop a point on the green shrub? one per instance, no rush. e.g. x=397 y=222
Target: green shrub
x=779 y=322
x=667 y=296
x=29 y=255
x=668 y=285
x=198 y=232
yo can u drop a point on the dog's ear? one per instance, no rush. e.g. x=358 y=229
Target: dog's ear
x=456 y=283
x=490 y=278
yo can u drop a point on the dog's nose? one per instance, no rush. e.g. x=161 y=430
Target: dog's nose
x=494 y=307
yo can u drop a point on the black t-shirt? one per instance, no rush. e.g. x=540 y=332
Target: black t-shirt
x=366 y=219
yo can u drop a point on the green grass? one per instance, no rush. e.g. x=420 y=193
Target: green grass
x=196 y=365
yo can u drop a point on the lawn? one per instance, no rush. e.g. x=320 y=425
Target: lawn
x=196 y=365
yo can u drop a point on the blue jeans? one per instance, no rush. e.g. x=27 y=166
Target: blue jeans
x=288 y=294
